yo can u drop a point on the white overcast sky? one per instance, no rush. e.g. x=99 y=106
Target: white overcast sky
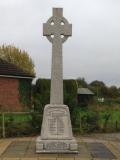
x=93 y=51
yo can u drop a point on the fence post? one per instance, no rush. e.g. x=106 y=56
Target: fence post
x=80 y=122
x=3 y=124
x=116 y=125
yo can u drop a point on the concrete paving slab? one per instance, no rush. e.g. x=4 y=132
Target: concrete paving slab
x=29 y=159
x=67 y=155
x=83 y=152
x=4 y=145
x=47 y=159
x=83 y=158
x=102 y=159
x=10 y=159
x=113 y=150
x=116 y=145
x=47 y=155
x=99 y=150
x=65 y=158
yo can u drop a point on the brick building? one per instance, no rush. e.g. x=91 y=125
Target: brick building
x=15 y=93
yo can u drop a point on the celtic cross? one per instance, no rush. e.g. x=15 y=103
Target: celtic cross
x=57 y=30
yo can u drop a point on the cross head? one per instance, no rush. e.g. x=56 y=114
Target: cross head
x=57 y=27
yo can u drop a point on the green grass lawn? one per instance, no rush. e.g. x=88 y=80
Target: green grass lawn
x=17 y=117
x=114 y=115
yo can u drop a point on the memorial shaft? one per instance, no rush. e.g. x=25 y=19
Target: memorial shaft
x=56 y=95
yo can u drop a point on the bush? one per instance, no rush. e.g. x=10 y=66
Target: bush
x=36 y=122
x=41 y=94
x=16 y=128
x=85 y=120
x=21 y=125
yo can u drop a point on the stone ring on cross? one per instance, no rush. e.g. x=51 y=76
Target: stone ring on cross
x=57 y=27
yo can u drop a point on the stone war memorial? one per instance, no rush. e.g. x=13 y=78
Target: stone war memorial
x=56 y=132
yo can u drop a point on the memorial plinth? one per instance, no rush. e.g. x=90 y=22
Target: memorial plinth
x=56 y=132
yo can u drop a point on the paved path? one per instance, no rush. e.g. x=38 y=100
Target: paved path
x=91 y=147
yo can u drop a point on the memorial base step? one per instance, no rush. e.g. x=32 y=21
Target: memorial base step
x=56 y=146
